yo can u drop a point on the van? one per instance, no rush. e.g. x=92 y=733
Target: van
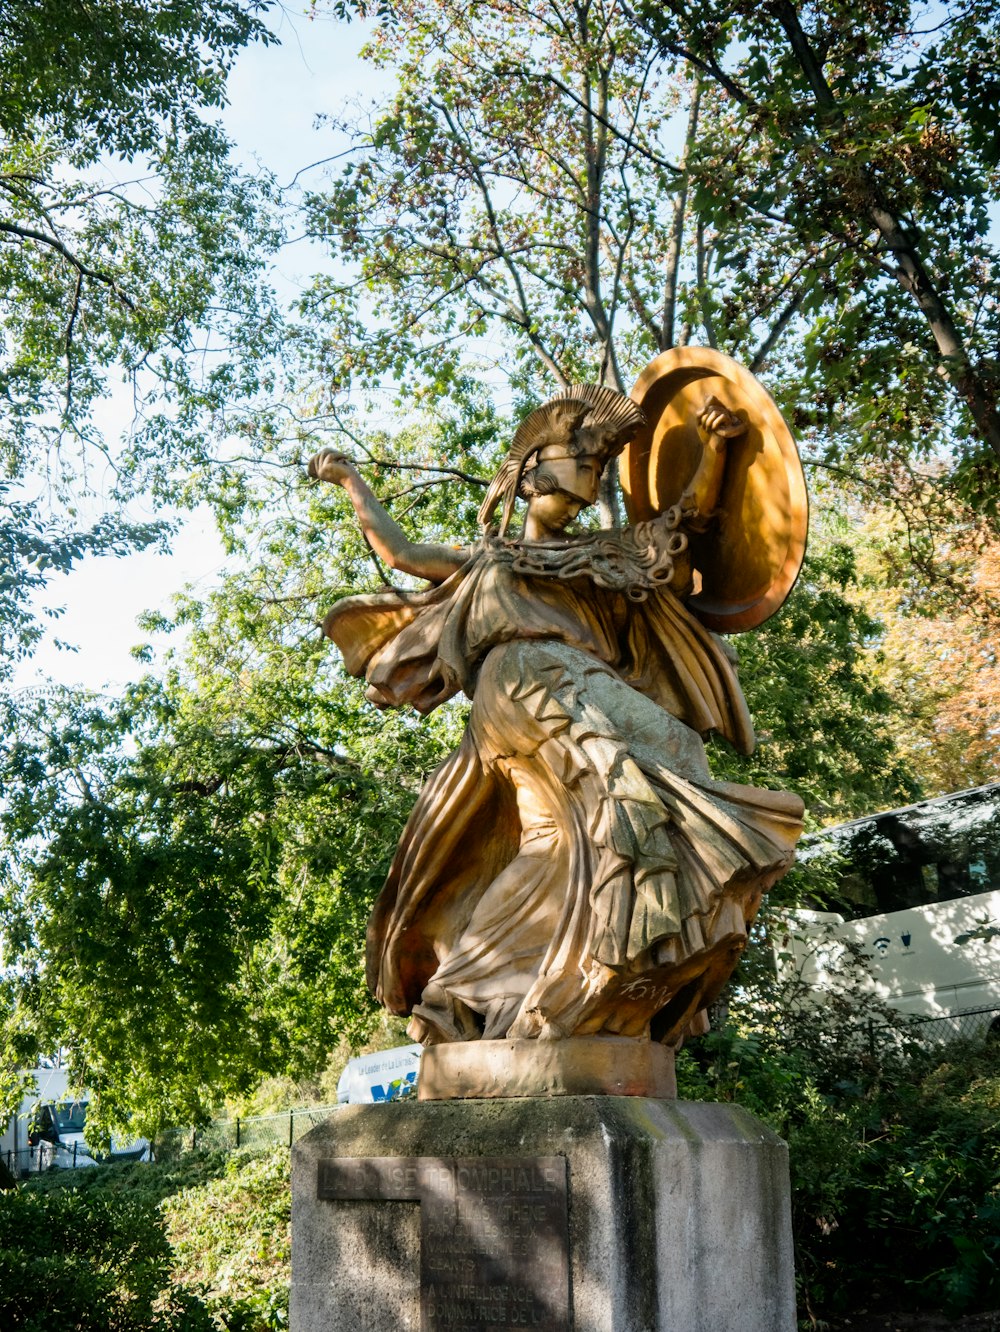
x=387 y=1075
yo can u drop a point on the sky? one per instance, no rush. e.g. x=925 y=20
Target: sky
x=275 y=95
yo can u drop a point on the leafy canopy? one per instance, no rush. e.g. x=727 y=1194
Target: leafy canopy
x=571 y=186
x=105 y=77
x=132 y=253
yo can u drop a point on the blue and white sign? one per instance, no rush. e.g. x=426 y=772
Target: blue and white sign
x=387 y=1075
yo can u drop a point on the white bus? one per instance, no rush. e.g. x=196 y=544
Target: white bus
x=919 y=894
x=48 y=1130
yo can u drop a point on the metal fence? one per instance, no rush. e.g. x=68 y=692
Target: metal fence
x=31 y=1160
x=972 y=1024
x=250 y=1131
x=63 y=1156
x=223 y=1134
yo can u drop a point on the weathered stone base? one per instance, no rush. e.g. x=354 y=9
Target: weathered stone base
x=579 y=1066
x=678 y=1213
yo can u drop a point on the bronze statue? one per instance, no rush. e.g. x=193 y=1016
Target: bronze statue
x=572 y=869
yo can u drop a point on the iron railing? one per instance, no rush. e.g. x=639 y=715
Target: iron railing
x=247 y=1131
x=223 y=1134
x=971 y=1024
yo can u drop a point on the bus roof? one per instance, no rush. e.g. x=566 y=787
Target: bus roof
x=971 y=795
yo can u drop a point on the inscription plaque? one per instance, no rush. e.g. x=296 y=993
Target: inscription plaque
x=494 y=1244
x=378 y=1178
x=494 y=1234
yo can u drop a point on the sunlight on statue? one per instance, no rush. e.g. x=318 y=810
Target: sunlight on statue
x=572 y=869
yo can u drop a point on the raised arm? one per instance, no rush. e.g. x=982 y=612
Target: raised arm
x=717 y=425
x=386 y=537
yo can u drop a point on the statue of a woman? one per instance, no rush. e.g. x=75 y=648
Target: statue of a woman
x=572 y=869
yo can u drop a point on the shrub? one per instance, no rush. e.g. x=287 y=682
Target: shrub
x=894 y=1146
x=77 y=1259
x=196 y=1244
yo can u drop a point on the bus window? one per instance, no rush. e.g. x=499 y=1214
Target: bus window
x=937 y=851
x=70 y=1116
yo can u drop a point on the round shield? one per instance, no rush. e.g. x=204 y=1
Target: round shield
x=746 y=561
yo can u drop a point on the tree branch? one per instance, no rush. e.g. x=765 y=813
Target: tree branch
x=666 y=332
x=626 y=139
x=775 y=332
x=54 y=243
x=911 y=273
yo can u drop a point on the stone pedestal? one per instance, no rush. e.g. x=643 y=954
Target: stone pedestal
x=590 y=1213
x=575 y=1066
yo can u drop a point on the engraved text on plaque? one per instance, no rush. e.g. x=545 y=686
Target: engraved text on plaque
x=494 y=1244
x=494 y=1234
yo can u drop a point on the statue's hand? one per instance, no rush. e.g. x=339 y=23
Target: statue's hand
x=331 y=465
x=716 y=420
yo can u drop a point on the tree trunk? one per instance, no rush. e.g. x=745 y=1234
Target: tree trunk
x=677 y=228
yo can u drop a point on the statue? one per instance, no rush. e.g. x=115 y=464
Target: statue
x=572 y=869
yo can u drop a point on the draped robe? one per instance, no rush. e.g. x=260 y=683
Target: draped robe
x=572 y=868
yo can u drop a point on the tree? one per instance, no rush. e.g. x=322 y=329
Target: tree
x=190 y=867
x=941 y=615
x=131 y=248
x=230 y=825
x=489 y=212
x=827 y=216
x=861 y=142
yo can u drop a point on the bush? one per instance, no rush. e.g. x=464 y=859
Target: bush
x=894 y=1147
x=231 y=1234
x=197 y=1244
x=899 y=1191
x=72 y=1259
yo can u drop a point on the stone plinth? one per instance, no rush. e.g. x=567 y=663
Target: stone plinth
x=675 y=1217
x=578 y=1066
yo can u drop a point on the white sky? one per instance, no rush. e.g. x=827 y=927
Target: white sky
x=275 y=94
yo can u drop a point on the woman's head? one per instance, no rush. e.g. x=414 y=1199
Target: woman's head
x=559 y=452
x=550 y=509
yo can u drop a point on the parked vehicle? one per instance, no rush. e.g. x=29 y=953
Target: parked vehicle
x=49 y=1130
x=920 y=888
x=387 y=1075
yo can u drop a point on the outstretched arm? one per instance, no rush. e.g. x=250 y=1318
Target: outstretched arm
x=386 y=537
x=717 y=425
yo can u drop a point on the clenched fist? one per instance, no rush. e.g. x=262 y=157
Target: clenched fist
x=331 y=465
x=716 y=419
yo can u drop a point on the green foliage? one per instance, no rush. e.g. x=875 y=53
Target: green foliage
x=197 y=1244
x=131 y=251
x=179 y=915
x=232 y=1234
x=32 y=550
x=72 y=1259
x=897 y=1189
x=823 y=724
x=894 y=1146
x=827 y=217
x=851 y=160
x=111 y=273
x=191 y=867
x=105 y=77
